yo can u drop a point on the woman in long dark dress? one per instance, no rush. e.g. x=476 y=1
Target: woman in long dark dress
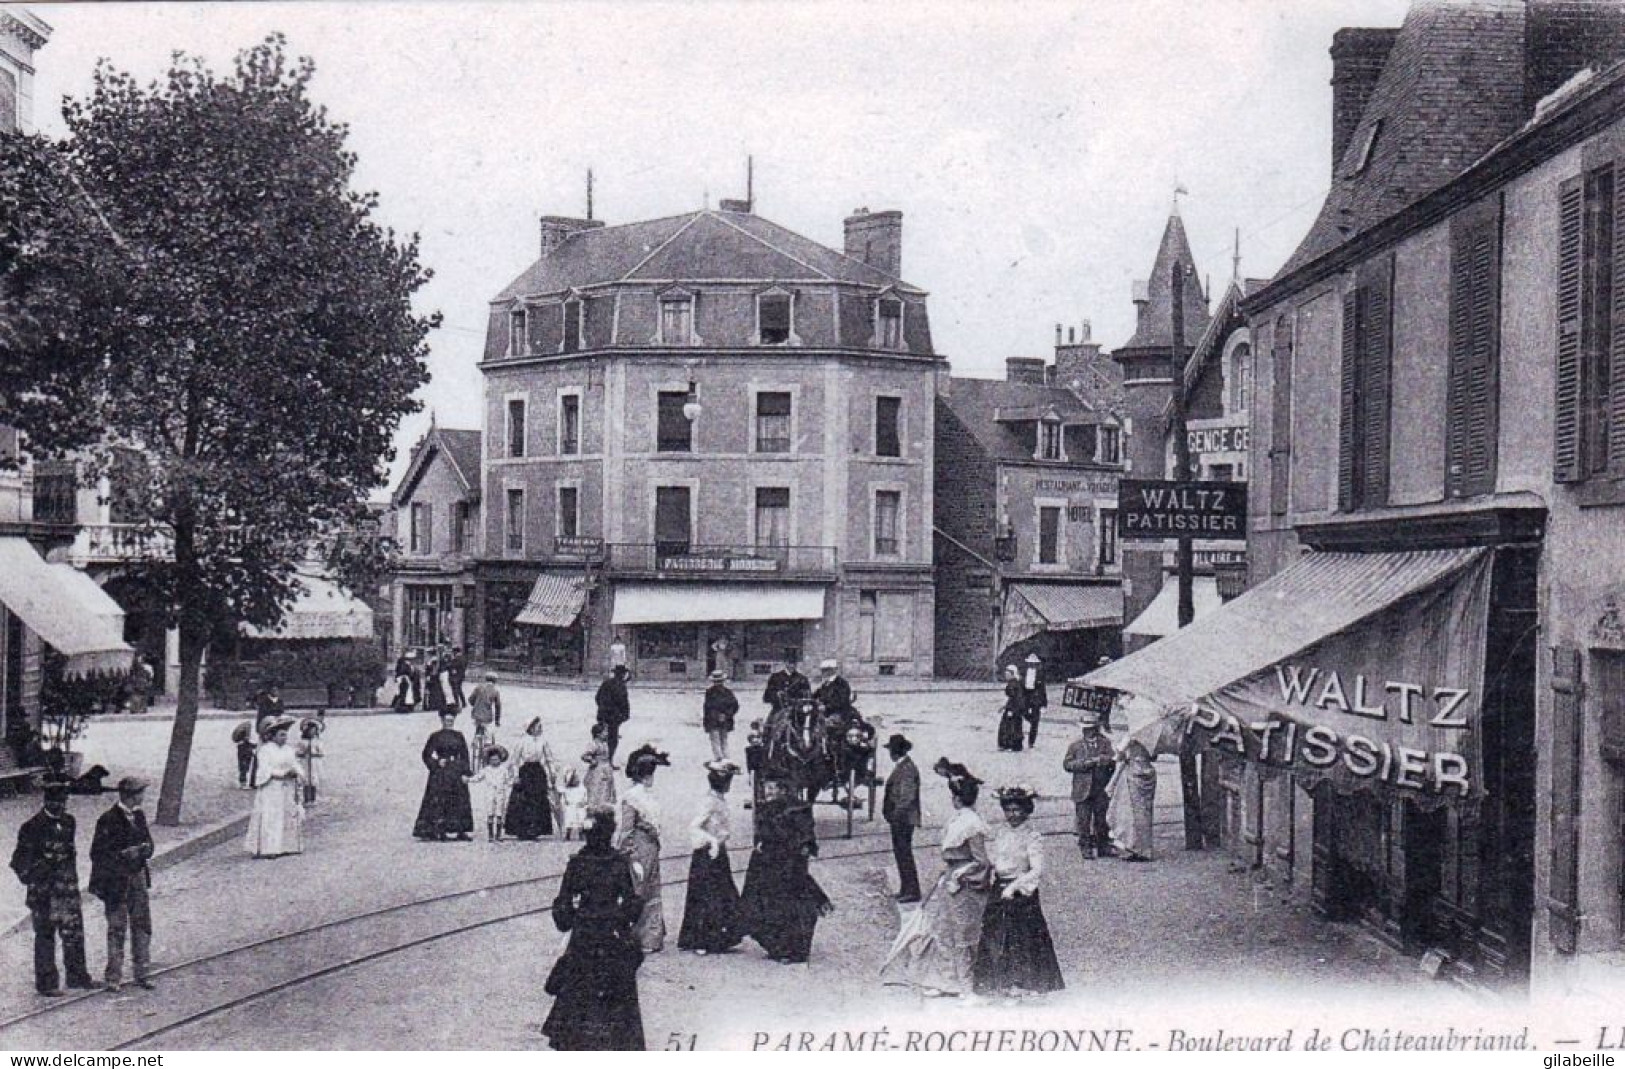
x=434 y=691
x=446 y=809
x=1015 y=955
x=595 y=983
x=781 y=902
x=530 y=806
x=1012 y=718
x=711 y=908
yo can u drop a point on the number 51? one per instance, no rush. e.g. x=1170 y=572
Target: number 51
x=679 y=1041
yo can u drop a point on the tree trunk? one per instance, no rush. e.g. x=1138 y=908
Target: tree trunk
x=170 y=795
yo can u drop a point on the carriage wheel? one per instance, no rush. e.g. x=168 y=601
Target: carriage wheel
x=851 y=793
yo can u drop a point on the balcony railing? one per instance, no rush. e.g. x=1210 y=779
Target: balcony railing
x=118 y=543
x=756 y=562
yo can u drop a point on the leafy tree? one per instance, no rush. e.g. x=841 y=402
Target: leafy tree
x=259 y=347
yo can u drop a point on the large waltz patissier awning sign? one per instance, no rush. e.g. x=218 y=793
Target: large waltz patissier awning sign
x=1364 y=669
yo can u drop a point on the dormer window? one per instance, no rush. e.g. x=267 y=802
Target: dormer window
x=773 y=311
x=677 y=319
x=518 y=331
x=1109 y=446
x=572 y=326
x=1367 y=144
x=889 y=323
x=1049 y=440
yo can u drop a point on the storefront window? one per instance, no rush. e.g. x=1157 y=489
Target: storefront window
x=428 y=616
x=668 y=642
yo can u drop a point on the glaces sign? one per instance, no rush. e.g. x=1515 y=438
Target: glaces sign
x=1402 y=734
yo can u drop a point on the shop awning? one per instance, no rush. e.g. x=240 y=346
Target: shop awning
x=65 y=608
x=681 y=603
x=555 y=601
x=1031 y=608
x=1161 y=617
x=1367 y=668
x=321 y=609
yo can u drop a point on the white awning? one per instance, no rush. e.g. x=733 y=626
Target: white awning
x=65 y=608
x=681 y=603
x=1161 y=617
x=320 y=610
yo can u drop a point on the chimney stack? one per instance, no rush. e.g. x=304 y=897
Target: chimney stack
x=876 y=238
x=728 y=204
x=1079 y=363
x=1358 y=56
x=555 y=228
x=1028 y=369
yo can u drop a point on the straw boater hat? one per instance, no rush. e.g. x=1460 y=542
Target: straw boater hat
x=718 y=676
x=1033 y=658
x=829 y=664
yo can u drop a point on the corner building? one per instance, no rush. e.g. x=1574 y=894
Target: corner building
x=710 y=438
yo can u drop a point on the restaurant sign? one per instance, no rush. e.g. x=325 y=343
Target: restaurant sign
x=1151 y=509
x=712 y=564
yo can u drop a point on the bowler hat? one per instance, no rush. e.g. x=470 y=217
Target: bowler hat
x=55 y=790
x=898 y=744
x=131 y=784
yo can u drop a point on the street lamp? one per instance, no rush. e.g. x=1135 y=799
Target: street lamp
x=691 y=403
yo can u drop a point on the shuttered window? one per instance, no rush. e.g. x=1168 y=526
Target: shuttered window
x=1471 y=410
x=1590 y=374
x=1367 y=394
x=1281 y=417
x=1564 y=878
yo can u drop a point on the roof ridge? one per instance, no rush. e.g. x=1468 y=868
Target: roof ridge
x=786 y=253
x=627 y=277
x=629 y=223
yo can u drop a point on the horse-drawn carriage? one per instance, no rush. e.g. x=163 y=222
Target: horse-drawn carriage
x=815 y=750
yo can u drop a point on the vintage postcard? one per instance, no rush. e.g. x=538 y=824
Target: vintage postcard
x=813 y=526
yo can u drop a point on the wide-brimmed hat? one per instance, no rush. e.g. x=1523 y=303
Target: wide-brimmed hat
x=898 y=744
x=722 y=768
x=310 y=727
x=535 y=722
x=501 y=752
x=281 y=723
x=242 y=731
x=647 y=752
x=954 y=771
x=265 y=726
x=1033 y=658
x=1016 y=792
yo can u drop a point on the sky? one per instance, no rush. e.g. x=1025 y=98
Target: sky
x=1033 y=147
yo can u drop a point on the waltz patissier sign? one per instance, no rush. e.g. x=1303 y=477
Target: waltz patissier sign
x=1153 y=509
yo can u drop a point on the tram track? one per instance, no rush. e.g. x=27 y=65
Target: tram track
x=235 y=976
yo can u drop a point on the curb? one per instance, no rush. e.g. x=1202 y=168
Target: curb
x=210 y=835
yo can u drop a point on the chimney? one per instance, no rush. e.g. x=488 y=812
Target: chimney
x=1079 y=364
x=1358 y=56
x=876 y=238
x=728 y=204
x=1028 y=369
x=555 y=228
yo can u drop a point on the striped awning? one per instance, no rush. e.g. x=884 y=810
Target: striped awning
x=321 y=609
x=555 y=601
x=1031 y=608
x=64 y=607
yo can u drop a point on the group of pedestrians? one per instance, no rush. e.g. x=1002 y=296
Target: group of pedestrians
x=46 y=861
x=436 y=684
x=1113 y=793
x=1025 y=699
x=980 y=930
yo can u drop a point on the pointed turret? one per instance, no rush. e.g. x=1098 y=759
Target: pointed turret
x=1155 y=299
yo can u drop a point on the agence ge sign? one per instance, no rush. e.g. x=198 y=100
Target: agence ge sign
x=1158 y=508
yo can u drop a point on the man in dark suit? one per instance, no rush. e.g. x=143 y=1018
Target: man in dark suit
x=1032 y=686
x=120 y=878
x=834 y=692
x=787 y=685
x=46 y=861
x=901 y=808
x=614 y=706
x=1091 y=759
x=457 y=671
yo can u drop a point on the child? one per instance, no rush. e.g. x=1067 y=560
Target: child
x=243 y=736
x=600 y=779
x=575 y=804
x=310 y=752
x=488 y=790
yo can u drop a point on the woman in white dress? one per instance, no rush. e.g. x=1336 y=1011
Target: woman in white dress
x=276 y=827
x=935 y=947
x=640 y=842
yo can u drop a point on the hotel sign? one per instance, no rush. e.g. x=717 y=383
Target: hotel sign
x=1154 y=509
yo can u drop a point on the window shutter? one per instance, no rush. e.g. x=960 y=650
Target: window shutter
x=1566 y=417
x=1475 y=335
x=1376 y=373
x=1348 y=435
x=428 y=528
x=1563 y=896
x=1281 y=420
x=1616 y=343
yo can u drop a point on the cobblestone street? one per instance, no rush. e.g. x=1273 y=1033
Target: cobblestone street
x=1127 y=935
